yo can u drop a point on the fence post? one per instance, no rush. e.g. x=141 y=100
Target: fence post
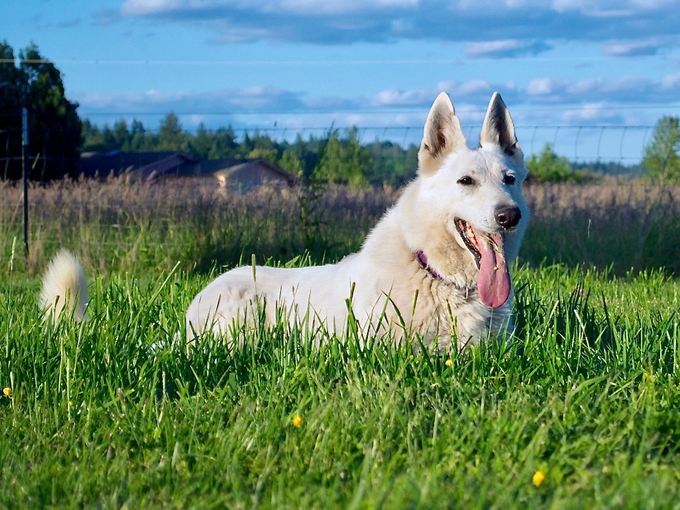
x=24 y=171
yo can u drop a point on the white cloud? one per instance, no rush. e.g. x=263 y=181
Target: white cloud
x=195 y=120
x=472 y=87
x=584 y=87
x=300 y=7
x=546 y=86
x=507 y=48
x=630 y=48
x=542 y=101
x=588 y=112
x=611 y=7
x=394 y=97
x=672 y=81
x=332 y=7
x=483 y=48
x=150 y=7
x=629 y=89
x=492 y=28
x=257 y=98
x=469 y=90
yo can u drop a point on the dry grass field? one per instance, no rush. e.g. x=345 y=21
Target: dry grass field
x=116 y=226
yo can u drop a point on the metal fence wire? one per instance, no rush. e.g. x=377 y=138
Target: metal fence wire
x=579 y=144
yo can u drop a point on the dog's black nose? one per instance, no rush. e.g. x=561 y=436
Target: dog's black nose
x=508 y=217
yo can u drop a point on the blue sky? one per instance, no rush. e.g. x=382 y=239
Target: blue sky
x=291 y=64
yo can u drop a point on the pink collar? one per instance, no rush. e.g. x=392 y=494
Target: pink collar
x=434 y=274
x=423 y=262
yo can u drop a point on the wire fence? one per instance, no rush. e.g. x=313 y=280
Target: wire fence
x=584 y=144
x=579 y=144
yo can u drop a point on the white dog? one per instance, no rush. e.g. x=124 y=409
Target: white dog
x=435 y=264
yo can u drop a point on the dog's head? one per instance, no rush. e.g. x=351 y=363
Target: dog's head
x=477 y=193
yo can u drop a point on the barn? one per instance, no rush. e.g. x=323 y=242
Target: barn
x=145 y=166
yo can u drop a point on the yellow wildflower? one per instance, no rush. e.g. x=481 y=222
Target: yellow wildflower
x=297 y=420
x=449 y=363
x=538 y=478
x=7 y=392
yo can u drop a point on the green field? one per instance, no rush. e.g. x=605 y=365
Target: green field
x=111 y=413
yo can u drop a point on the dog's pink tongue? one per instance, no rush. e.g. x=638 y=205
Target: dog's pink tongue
x=493 y=282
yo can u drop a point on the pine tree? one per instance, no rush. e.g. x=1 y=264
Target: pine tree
x=170 y=135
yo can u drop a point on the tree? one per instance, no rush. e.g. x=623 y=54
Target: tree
x=549 y=167
x=307 y=153
x=53 y=123
x=10 y=115
x=661 y=160
x=139 y=140
x=199 y=145
x=390 y=164
x=246 y=144
x=271 y=155
x=170 y=134
x=224 y=144
x=121 y=135
x=344 y=161
x=93 y=139
x=291 y=163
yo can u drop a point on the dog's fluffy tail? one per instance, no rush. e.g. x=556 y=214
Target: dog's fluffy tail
x=64 y=286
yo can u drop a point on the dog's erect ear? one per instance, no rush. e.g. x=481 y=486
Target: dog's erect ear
x=499 y=129
x=442 y=135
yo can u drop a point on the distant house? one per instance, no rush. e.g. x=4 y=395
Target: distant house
x=114 y=163
x=144 y=166
x=243 y=172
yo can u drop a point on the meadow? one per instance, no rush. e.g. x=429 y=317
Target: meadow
x=111 y=413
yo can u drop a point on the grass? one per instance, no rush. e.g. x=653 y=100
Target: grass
x=109 y=413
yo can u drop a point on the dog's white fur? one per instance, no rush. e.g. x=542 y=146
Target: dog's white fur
x=414 y=272
x=64 y=286
x=389 y=286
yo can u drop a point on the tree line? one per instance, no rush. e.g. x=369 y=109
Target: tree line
x=57 y=137
x=339 y=156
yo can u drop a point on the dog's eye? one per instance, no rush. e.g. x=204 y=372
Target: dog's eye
x=466 y=181
x=509 y=179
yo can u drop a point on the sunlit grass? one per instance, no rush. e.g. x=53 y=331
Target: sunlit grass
x=112 y=412
x=579 y=411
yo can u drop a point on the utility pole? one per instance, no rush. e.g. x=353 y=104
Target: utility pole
x=24 y=171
